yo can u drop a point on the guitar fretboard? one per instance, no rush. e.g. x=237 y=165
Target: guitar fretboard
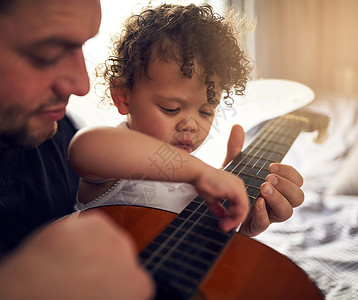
x=270 y=146
x=181 y=255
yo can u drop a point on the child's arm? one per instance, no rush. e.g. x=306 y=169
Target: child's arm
x=108 y=152
x=280 y=193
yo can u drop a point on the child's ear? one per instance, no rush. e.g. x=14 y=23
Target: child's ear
x=119 y=97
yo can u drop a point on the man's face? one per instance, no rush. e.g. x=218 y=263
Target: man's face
x=41 y=65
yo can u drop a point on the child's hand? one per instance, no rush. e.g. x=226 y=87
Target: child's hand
x=280 y=193
x=214 y=185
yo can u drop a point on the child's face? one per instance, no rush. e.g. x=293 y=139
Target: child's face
x=171 y=107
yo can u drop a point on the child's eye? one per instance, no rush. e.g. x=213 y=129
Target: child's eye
x=169 y=111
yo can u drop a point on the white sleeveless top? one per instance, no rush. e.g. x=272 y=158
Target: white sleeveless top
x=168 y=196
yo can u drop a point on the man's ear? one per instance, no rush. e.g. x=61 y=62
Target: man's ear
x=119 y=96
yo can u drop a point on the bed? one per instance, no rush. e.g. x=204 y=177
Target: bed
x=322 y=235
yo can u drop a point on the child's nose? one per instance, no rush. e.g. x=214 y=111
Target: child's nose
x=189 y=125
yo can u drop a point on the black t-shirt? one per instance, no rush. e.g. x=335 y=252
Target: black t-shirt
x=37 y=186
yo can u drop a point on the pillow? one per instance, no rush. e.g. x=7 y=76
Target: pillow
x=346 y=180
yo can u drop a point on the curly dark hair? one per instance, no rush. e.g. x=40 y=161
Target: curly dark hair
x=184 y=34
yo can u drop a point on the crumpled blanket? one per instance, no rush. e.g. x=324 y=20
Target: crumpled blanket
x=322 y=238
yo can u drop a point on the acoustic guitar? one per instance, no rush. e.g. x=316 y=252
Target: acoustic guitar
x=190 y=258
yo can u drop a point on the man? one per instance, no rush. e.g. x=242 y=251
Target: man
x=41 y=65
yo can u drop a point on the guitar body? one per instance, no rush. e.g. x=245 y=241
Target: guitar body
x=246 y=269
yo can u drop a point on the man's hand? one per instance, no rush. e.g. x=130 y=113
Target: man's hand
x=279 y=194
x=85 y=257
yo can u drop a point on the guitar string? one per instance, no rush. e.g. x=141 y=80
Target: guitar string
x=173 y=248
x=179 y=240
x=265 y=137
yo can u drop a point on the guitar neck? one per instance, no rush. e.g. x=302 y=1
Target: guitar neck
x=181 y=255
x=270 y=145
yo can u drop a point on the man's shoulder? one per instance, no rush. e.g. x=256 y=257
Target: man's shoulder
x=37 y=186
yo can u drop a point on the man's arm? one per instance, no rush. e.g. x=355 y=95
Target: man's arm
x=86 y=257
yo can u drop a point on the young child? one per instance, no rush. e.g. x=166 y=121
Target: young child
x=167 y=74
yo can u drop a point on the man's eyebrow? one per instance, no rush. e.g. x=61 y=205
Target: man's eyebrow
x=56 y=41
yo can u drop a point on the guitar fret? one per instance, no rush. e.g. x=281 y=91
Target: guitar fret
x=183 y=252
x=265 y=142
x=233 y=168
x=246 y=169
x=195 y=209
x=262 y=153
x=173 y=287
x=192 y=247
x=206 y=257
x=263 y=173
x=176 y=262
x=267 y=155
x=257 y=173
x=252 y=181
x=262 y=164
x=178 y=278
x=196 y=250
x=204 y=229
x=191 y=215
x=254 y=192
x=208 y=223
x=174 y=268
x=197 y=201
x=263 y=145
x=276 y=157
x=253 y=171
x=195 y=239
x=276 y=134
x=252 y=199
x=257 y=162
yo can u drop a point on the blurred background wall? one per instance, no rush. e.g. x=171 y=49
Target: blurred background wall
x=311 y=41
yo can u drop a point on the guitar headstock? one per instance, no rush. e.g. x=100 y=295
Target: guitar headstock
x=315 y=122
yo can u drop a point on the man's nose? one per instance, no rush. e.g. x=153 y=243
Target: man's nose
x=73 y=76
